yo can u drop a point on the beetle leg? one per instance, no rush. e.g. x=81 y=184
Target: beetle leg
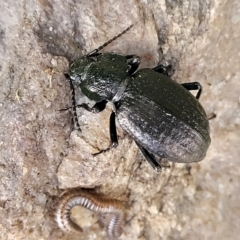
x=113 y=134
x=98 y=107
x=163 y=70
x=150 y=159
x=193 y=86
x=134 y=62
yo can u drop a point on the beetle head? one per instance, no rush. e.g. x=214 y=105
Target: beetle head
x=79 y=67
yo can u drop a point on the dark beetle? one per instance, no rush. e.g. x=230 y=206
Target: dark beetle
x=162 y=116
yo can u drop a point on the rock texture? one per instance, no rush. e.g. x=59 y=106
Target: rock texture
x=41 y=154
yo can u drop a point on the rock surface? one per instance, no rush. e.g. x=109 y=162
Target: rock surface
x=41 y=154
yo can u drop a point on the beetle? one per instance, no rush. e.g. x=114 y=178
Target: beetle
x=162 y=116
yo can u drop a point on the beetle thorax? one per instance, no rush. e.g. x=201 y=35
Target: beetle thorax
x=99 y=87
x=103 y=77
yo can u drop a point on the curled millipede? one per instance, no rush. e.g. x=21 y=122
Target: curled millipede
x=109 y=209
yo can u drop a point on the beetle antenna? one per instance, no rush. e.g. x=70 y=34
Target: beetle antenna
x=108 y=42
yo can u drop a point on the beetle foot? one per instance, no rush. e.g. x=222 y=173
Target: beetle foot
x=102 y=151
x=113 y=145
x=78 y=128
x=63 y=109
x=157 y=168
x=164 y=163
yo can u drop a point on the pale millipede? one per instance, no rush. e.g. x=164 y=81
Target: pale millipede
x=110 y=208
